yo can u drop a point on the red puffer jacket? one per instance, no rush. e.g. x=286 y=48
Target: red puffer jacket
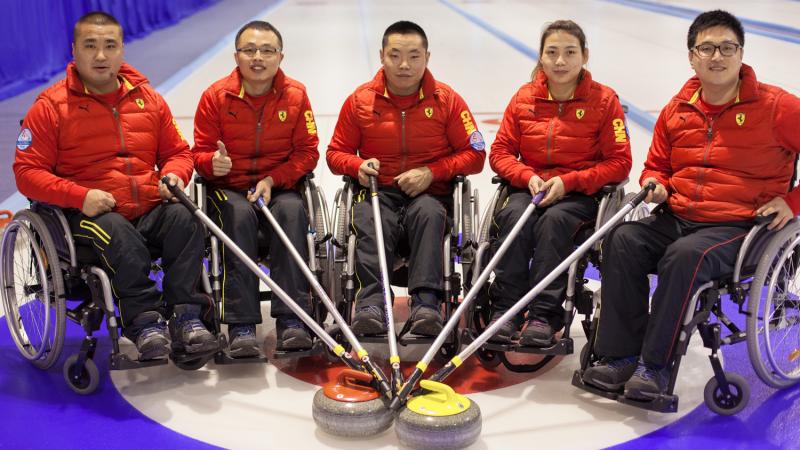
x=78 y=142
x=281 y=143
x=438 y=132
x=724 y=170
x=582 y=140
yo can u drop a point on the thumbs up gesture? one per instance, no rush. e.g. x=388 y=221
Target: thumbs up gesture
x=221 y=162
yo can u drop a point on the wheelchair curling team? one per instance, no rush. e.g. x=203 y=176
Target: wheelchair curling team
x=98 y=142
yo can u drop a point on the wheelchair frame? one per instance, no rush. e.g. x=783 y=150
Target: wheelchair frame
x=458 y=244
x=317 y=238
x=578 y=299
x=725 y=393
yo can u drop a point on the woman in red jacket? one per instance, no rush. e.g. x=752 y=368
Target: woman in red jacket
x=565 y=134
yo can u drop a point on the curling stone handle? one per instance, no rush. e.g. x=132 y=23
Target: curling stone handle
x=354 y=378
x=448 y=394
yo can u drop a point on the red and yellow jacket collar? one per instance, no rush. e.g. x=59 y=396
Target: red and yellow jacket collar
x=130 y=77
x=234 y=86
x=540 y=90
x=427 y=86
x=748 y=87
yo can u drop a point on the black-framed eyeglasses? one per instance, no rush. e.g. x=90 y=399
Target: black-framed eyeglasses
x=266 y=52
x=725 y=49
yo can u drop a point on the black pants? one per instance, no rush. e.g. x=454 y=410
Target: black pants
x=684 y=254
x=122 y=248
x=548 y=237
x=241 y=221
x=422 y=220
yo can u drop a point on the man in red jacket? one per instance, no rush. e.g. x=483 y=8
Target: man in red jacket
x=255 y=128
x=89 y=144
x=418 y=134
x=723 y=152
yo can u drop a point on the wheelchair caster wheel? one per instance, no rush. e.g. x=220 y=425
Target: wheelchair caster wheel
x=727 y=404
x=446 y=353
x=192 y=364
x=489 y=359
x=86 y=381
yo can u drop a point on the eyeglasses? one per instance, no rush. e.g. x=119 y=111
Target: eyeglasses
x=266 y=52
x=725 y=49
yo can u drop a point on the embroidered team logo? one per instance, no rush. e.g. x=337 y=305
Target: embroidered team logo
x=25 y=139
x=740 y=119
x=429 y=112
x=579 y=113
x=140 y=103
x=476 y=141
x=282 y=115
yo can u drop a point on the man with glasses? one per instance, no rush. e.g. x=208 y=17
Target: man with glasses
x=415 y=134
x=97 y=144
x=723 y=152
x=255 y=129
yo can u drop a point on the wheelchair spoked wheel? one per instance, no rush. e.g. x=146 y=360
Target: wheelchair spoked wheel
x=773 y=322
x=33 y=291
x=727 y=402
x=637 y=213
x=86 y=381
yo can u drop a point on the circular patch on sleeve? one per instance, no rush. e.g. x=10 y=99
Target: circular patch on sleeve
x=476 y=141
x=25 y=139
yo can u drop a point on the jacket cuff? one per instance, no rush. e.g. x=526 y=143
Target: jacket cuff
x=570 y=181
x=76 y=196
x=522 y=178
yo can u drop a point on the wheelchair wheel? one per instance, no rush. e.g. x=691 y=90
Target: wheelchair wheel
x=727 y=404
x=33 y=289
x=83 y=383
x=773 y=322
x=639 y=212
x=489 y=359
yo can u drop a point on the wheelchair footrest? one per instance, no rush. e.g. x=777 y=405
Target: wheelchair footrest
x=577 y=381
x=224 y=358
x=420 y=340
x=561 y=347
x=316 y=348
x=122 y=361
x=662 y=403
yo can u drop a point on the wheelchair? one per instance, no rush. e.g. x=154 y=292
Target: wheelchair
x=317 y=238
x=579 y=298
x=459 y=249
x=43 y=273
x=765 y=286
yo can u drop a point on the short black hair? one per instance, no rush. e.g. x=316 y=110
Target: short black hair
x=258 y=25
x=96 y=18
x=404 y=27
x=715 y=18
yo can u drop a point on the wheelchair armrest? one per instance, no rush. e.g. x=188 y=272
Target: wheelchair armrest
x=497 y=179
x=308 y=176
x=199 y=179
x=348 y=179
x=610 y=188
x=459 y=179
